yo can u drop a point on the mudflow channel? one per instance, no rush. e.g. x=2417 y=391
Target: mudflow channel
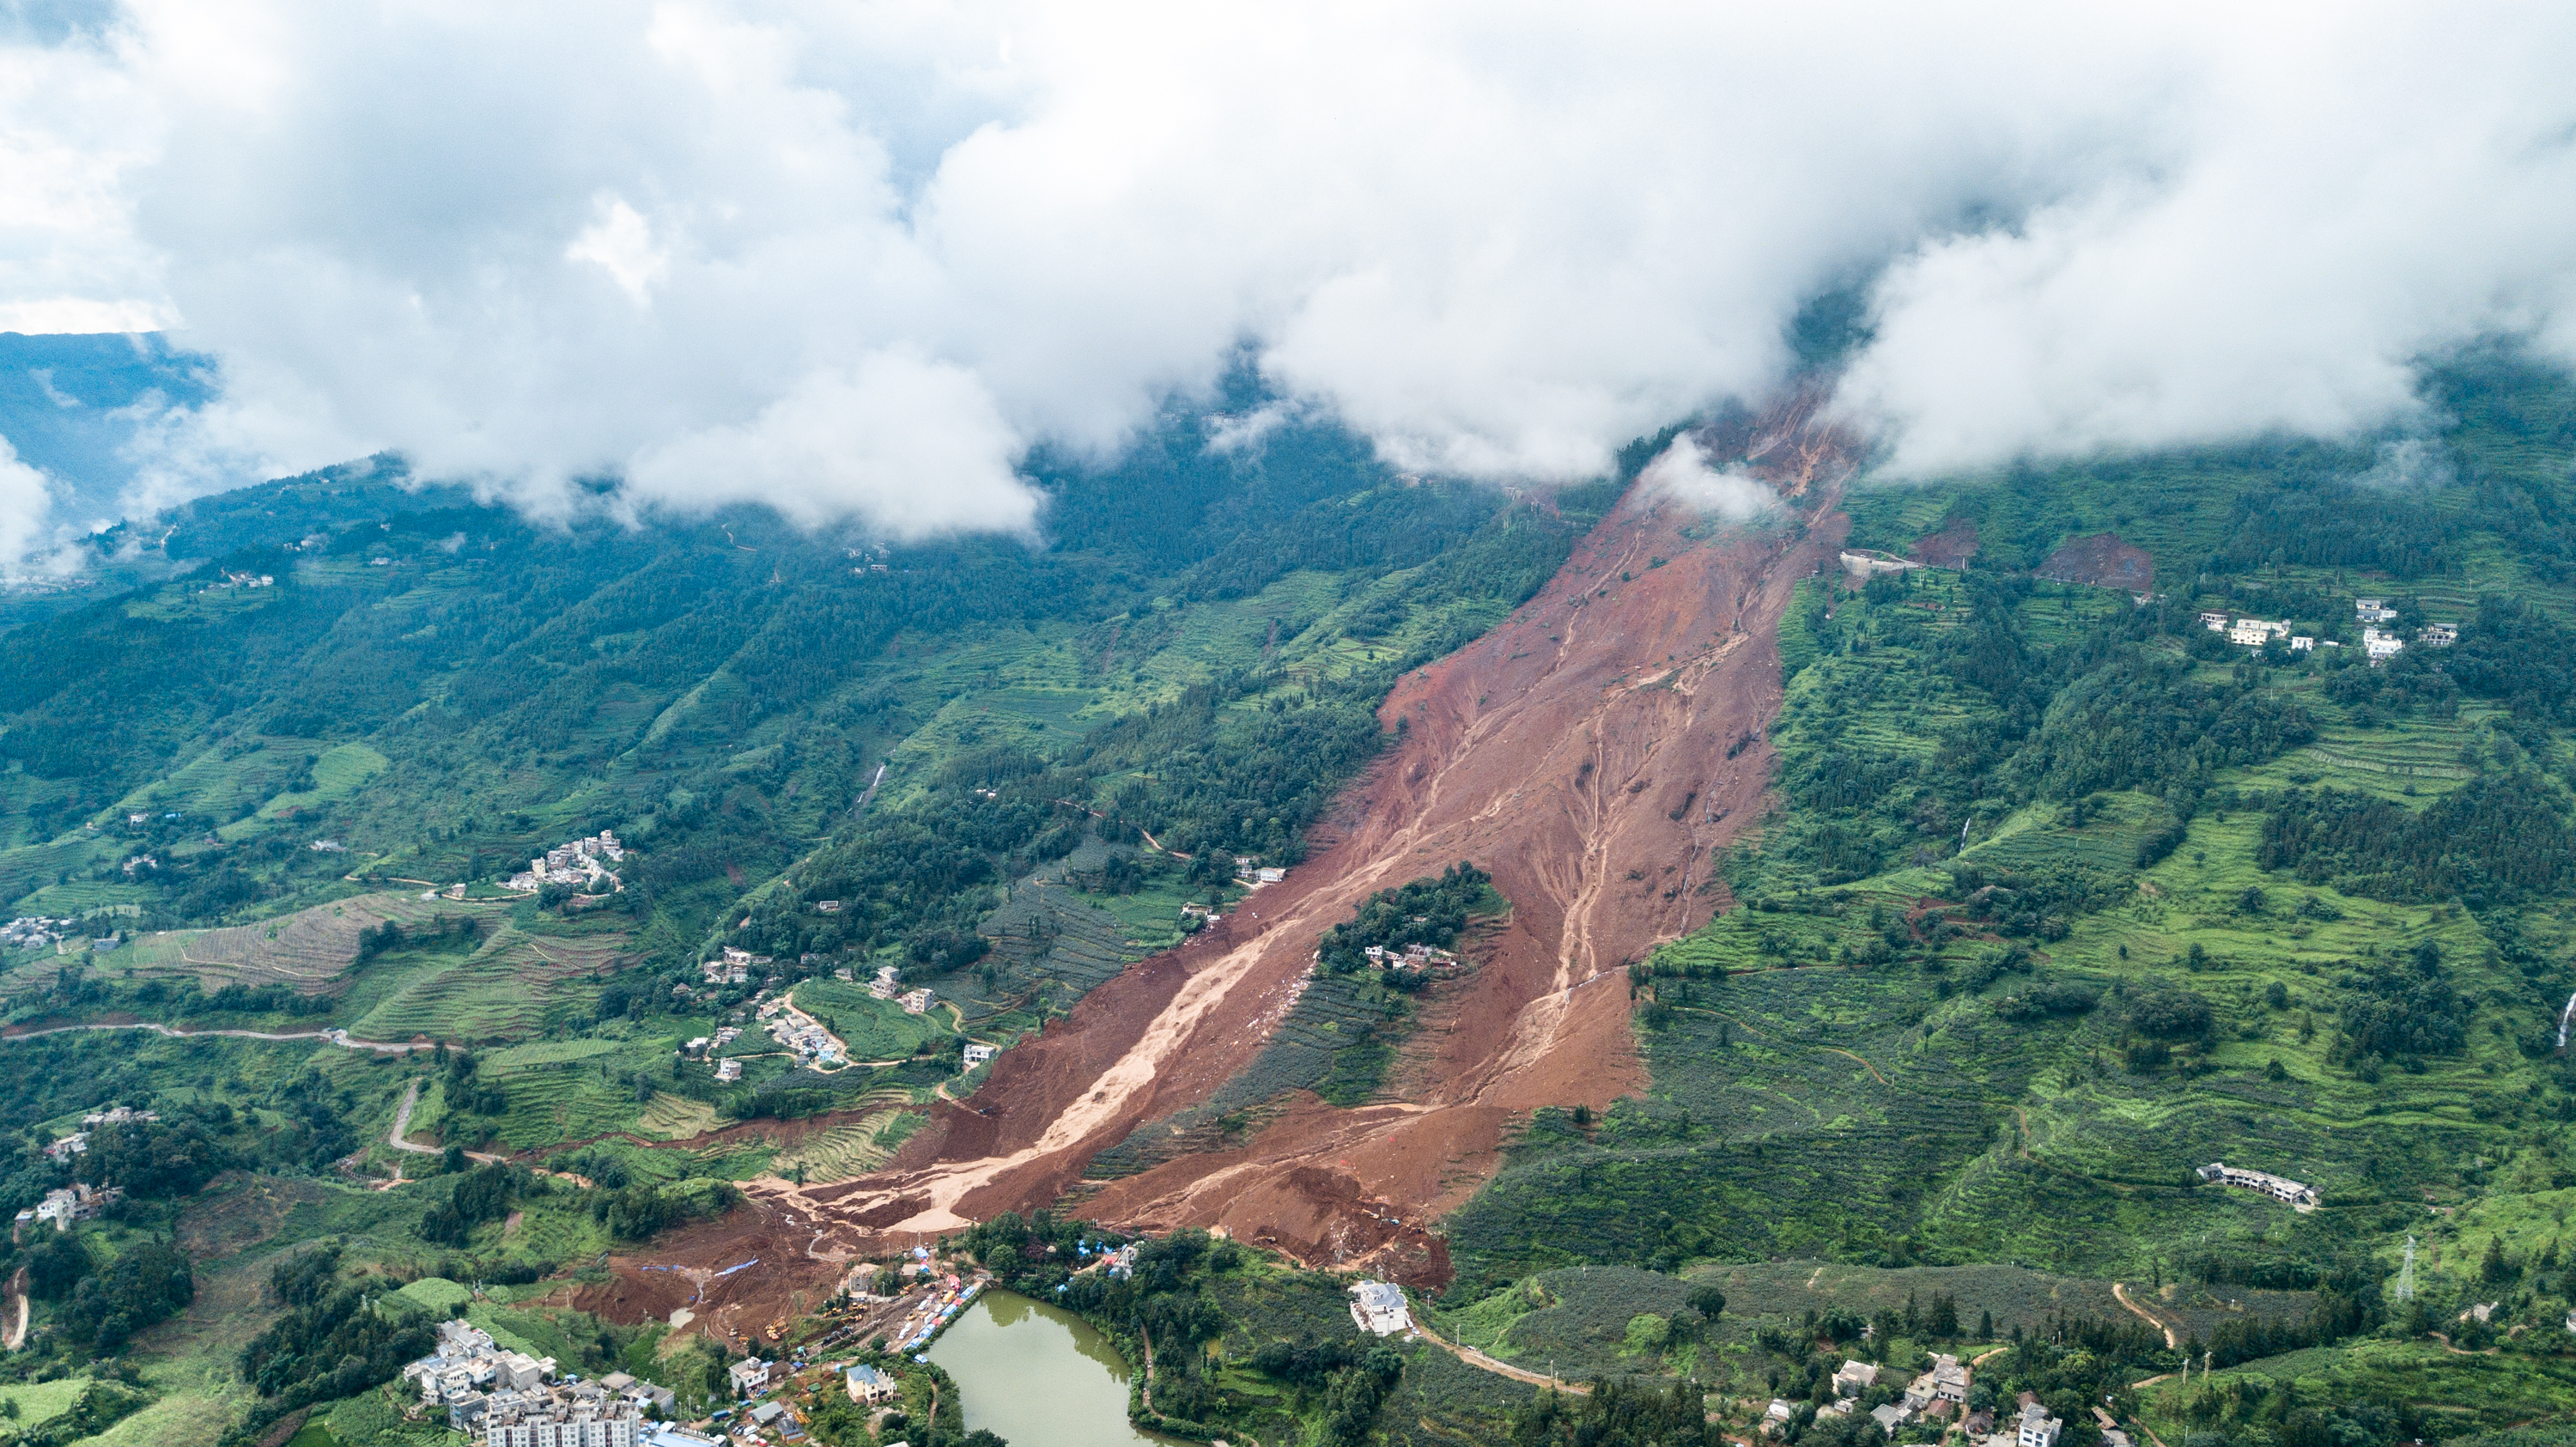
x=1590 y=753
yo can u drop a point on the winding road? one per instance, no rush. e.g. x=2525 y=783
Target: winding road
x=335 y=1036
x=402 y=1127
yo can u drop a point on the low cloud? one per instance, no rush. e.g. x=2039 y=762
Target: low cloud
x=911 y=445
x=855 y=260
x=26 y=507
x=1682 y=472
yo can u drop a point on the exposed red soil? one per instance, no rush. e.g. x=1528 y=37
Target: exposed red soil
x=1951 y=547
x=2101 y=561
x=1581 y=754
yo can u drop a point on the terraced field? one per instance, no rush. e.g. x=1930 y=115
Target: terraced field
x=851 y=1149
x=678 y=1118
x=511 y=987
x=1048 y=940
x=562 y=1090
x=309 y=950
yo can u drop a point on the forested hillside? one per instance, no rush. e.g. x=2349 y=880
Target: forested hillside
x=2066 y=895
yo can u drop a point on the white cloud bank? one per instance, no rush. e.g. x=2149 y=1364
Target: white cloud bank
x=1682 y=472
x=854 y=260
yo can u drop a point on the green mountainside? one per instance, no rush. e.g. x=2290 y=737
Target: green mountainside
x=2062 y=897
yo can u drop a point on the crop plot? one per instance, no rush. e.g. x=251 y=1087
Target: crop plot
x=512 y=986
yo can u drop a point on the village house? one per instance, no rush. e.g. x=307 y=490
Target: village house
x=2302 y=643
x=638 y=1392
x=77 y=1202
x=868 y=1386
x=2372 y=610
x=578 y=862
x=747 y=1376
x=2255 y=632
x=1946 y=1381
x=1379 y=1308
x=2438 y=635
x=917 y=1002
x=1776 y=1417
x=827 y=906
x=2280 y=1188
x=728 y=1071
x=2214 y=622
x=2381 y=646
x=2037 y=1428
x=1890 y=1417
x=1855 y=1377
x=885 y=986
x=34 y=931
x=977 y=1054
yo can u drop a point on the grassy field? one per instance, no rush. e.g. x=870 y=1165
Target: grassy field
x=40 y=1402
x=873 y=1029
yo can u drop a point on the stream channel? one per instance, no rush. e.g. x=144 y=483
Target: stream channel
x=1038 y=1376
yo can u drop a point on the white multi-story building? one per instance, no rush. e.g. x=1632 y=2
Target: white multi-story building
x=2279 y=1188
x=582 y=1416
x=2037 y=1428
x=2381 y=646
x=1379 y=1308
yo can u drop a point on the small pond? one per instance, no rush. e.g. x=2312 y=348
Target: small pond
x=1037 y=1375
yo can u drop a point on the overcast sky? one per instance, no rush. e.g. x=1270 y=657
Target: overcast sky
x=854 y=260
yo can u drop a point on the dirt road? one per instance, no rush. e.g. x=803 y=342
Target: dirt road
x=2172 y=1341
x=14 y=1305
x=1482 y=1362
x=402 y=1128
x=338 y=1037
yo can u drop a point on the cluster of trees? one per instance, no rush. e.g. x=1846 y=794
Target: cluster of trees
x=1428 y=911
x=2400 y=1009
x=1622 y=1412
x=2348 y=1304
x=167 y=1158
x=638 y=1212
x=1347 y=1380
x=2493 y=840
x=103 y=1306
x=484 y=1194
x=158 y=1158
x=329 y=1343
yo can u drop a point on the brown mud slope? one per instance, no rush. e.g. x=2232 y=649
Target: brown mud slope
x=2101 y=561
x=1591 y=753
x=1951 y=547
